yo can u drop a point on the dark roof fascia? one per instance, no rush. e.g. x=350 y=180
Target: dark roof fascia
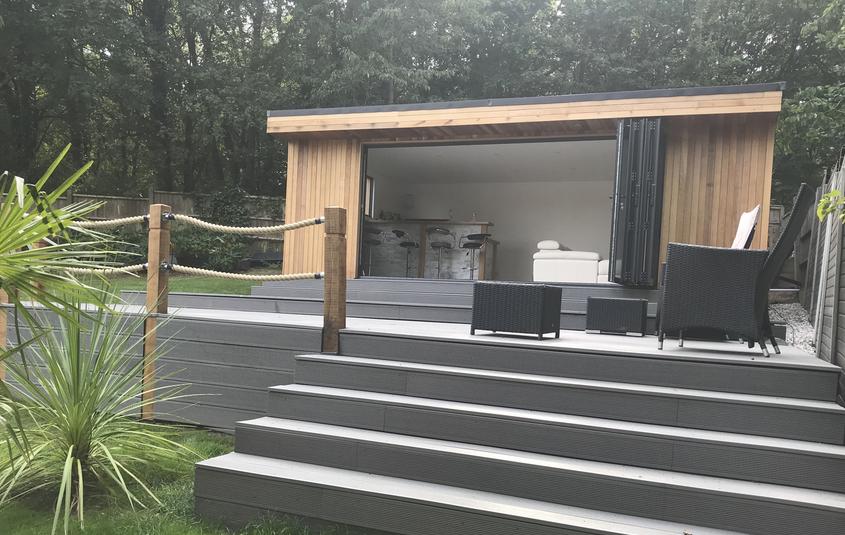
x=552 y=99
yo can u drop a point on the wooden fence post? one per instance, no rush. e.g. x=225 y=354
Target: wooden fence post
x=334 y=287
x=4 y=331
x=158 y=243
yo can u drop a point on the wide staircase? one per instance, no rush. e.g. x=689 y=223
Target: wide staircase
x=427 y=437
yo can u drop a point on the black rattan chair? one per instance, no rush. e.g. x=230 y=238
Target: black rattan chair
x=727 y=290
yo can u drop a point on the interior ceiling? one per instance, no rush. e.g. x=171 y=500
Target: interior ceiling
x=554 y=161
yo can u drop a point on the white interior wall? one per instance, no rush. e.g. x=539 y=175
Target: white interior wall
x=570 y=203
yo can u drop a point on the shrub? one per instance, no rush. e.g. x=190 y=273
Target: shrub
x=214 y=250
x=77 y=395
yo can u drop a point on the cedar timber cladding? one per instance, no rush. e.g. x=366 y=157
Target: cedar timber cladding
x=715 y=169
x=321 y=173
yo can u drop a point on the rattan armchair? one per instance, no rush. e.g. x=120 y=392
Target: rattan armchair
x=727 y=290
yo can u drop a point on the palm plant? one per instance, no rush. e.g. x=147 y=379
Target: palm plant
x=36 y=250
x=36 y=247
x=78 y=400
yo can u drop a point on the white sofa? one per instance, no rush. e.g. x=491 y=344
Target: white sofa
x=553 y=263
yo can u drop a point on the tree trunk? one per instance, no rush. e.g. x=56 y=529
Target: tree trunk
x=155 y=12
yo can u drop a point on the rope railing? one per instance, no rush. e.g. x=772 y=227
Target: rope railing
x=110 y=223
x=188 y=270
x=244 y=230
x=158 y=223
x=122 y=270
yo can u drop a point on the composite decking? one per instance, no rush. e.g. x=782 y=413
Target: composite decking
x=391 y=298
x=418 y=428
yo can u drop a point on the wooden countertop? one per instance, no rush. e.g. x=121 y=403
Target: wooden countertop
x=417 y=221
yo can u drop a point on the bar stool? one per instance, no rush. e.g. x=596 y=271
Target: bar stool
x=371 y=239
x=406 y=244
x=439 y=245
x=473 y=243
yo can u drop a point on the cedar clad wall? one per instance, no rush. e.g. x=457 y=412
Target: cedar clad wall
x=321 y=173
x=716 y=168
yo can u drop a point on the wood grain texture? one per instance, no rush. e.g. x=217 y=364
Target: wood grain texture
x=334 y=289
x=715 y=169
x=158 y=251
x=485 y=119
x=321 y=173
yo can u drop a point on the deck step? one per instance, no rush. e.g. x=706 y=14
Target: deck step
x=236 y=488
x=713 y=453
x=741 y=505
x=811 y=420
x=604 y=358
x=391 y=310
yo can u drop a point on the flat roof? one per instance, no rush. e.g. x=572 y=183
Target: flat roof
x=582 y=114
x=550 y=99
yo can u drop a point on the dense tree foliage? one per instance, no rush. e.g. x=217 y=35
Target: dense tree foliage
x=172 y=94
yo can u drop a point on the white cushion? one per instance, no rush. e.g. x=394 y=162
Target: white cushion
x=568 y=255
x=747 y=222
x=548 y=245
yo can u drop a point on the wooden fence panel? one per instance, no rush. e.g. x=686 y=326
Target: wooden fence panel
x=825 y=278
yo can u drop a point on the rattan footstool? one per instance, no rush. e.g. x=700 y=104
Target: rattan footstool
x=516 y=308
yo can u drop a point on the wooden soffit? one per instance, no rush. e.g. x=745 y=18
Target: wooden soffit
x=540 y=116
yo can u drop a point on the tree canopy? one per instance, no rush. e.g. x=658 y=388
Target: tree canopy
x=172 y=94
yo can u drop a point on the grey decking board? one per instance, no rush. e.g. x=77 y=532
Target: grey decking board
x=364 y=451
x=702 y=374
x=406 y=507
x=731 y=352
x=209 y=416
x=748 y=457
x=781 y=417
x=534 y=379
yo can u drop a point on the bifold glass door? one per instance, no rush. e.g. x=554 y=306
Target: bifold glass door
x=637 y=203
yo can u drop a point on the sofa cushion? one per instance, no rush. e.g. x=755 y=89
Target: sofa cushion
x=548 y=245
x=568 y=255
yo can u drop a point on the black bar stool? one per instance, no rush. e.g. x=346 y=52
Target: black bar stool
x=439 y=244
x=473 y=243
x=371 y=239
x=406 y=244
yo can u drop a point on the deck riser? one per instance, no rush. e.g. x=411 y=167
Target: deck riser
x=215 y=492
x=392 y=311
x=571 y=301
x=619 y=447
x=405 y=517
x=454 y=287
x=573 y=488
x=712 y=414
x=748 y=379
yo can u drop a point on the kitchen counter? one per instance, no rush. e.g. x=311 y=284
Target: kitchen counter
x=388 y=259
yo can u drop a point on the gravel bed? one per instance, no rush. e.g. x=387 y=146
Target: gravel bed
x=799 y=332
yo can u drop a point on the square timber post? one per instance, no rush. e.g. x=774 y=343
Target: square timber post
x=158 y=253
x=334 y=285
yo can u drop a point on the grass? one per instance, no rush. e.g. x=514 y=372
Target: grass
x=174 y=517
x=195 y=284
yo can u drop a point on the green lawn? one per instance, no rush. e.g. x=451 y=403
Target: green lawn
x=191 y=284
x=174 y=517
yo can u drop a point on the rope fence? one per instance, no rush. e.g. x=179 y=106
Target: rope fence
x=277 y=229
x=158 y=222
x=122 y=270
x=111 y=223
x=187 y=270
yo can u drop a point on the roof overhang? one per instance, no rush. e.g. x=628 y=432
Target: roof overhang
x=591 y=113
